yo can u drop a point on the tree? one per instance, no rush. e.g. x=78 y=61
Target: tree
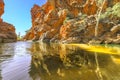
x=98 y=16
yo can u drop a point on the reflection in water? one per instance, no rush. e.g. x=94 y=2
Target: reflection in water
x=69 y=62
x=41 y=61
x=98 y=72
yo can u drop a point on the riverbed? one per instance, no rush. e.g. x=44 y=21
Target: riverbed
x=51 y=61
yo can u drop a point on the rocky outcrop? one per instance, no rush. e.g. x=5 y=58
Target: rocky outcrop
x=7 y=31
x=76 y=21
x=1 y=9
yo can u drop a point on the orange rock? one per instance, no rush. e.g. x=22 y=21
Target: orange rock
x=49 y=6
x=7 y=31
x=71 y=20
x=35 y=12
x=1 y=20
x=1 y=7
x=90 y=9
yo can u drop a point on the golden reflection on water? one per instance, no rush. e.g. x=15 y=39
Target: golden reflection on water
x=98 y=48
x=74 y=62
x=50 y=61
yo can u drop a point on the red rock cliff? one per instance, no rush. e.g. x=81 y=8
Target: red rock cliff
x=81 y=21
x=7 y=31
x=1 y=9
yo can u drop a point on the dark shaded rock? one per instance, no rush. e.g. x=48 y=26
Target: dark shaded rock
x=7 y=31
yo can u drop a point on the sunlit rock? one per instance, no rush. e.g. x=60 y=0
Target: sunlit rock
x=74 y=21
x=7 y=31
x=1 y=7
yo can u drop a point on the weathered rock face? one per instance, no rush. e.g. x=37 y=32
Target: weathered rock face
x=7 y=31
x=1 y=9
x=76 y=21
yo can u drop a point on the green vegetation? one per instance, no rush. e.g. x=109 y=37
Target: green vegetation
x=18 y=37
x=66 y=19
x=99 y=2
x=114 y=11
x=27 y=31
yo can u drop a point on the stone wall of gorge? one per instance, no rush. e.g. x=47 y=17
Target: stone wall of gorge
x=76 y=21
x=7 y=31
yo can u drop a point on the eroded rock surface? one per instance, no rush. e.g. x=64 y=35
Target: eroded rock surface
x=7 y=31
x=74 y=21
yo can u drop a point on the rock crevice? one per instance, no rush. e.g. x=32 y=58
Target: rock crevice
x=74 y=21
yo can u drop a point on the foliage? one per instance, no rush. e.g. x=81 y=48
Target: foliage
x=66 y=19
x=114 y=11
x=27 y=31
x=82 y=16
x=18 y=37
x=99 y=2
x=107 y=13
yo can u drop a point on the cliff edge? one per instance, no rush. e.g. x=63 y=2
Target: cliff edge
x=76 y=21
x=7 y=31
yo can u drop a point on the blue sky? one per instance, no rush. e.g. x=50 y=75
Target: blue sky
x=17 y=12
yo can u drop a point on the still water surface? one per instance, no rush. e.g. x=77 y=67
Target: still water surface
x=41 y=61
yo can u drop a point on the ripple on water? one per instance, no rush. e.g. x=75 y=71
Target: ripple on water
x=41 y=61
